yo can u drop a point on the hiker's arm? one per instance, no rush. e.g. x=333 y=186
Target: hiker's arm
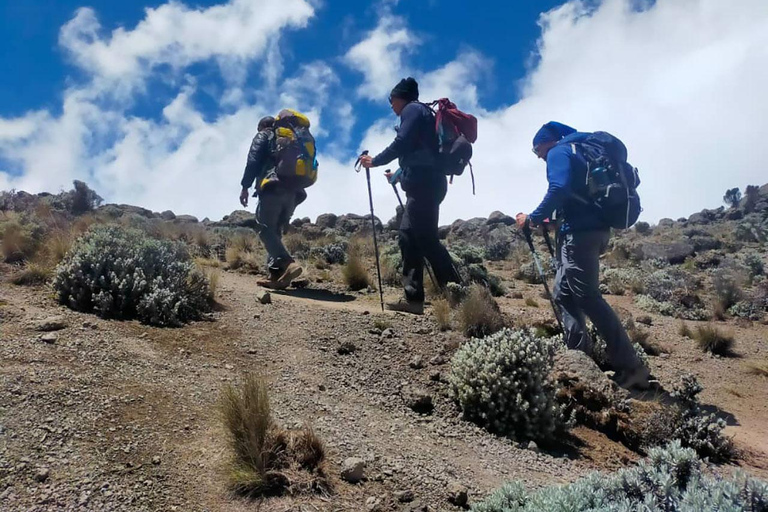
x=408 y=130
x=558 y=176
x=258 y=152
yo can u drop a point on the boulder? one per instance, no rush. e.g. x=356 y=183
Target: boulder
x=50 y=324
x=418 y=400
x=473 y=231
x=239 y=219
x=458 y=494
x=168 y=215
x=186 y=219
x=326 y=220
x=674 y=252
x=734 y=214
x=666 y=223
x=352 y=223
x=118 y=210
x=500 y=218
x=353 y=470
x=577 y=372
x=443 y=231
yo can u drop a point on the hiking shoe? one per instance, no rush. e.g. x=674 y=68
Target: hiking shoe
x=638 y=378
x=406 y=306
x=291 y=272
x=268 y=283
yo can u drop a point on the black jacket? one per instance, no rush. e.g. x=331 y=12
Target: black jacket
x=416 y=148
x=260 y=159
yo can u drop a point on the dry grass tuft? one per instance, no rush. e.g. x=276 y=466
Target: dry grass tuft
x=479 y=313
x=382 y=324
x=354 y=273
x=267 y=460
x=711 y=339
x=214 y=278
x=685 y=331
x=296 y=243
x=759 y=368
x=642 y=338
x=531 y=302
x=17 y=244
x=442 y=311
x=32 y=274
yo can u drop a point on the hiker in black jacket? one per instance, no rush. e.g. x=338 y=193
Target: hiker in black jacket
x=277 y=203
x=425 y=186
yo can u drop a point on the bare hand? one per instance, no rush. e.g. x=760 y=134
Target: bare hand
x=521 y=219
x=244 y=198
x=366 y=161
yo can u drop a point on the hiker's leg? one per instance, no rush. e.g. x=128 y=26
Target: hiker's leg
x=268 y=215
x=584 y=251
x=413 y=258
x=574 y=323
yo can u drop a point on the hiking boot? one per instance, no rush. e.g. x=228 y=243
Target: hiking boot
x=291 y=272
x=406 y=306
x=637 y=378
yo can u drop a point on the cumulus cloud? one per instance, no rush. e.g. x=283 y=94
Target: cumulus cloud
x=682 y=83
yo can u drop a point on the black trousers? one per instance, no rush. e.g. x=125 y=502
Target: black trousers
x=419 y=240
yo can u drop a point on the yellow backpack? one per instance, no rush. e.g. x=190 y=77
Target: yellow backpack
x=294 y=150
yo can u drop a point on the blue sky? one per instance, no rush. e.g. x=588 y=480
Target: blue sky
x=155 y=103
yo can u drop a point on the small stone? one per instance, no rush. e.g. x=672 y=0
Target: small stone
x=435 y=375
x=42 y=474
x=52 y=323
x=437 y=360
x=156 y=460
x=375 y=331
x=405 y=496
x=533 y=446
x=388 y=333
x=345 y=348
x=49 y=337
x=257 y=316
x=264 y=297
x=417 y=362
x=423 y=330
x=353 y=470
x=458 y=494
x=645 y=320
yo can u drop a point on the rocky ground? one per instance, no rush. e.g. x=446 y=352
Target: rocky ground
x=106 y=415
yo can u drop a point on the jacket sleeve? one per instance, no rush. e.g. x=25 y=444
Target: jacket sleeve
x=257 y=157
x=559 y=178
x=405 y=138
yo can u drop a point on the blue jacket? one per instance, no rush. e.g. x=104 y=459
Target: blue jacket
x=566 y=174
x=416 y=148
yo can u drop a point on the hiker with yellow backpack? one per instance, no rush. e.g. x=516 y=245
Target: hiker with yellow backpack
x=281 y=164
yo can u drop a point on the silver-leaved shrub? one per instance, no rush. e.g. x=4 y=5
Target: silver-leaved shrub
x=122 y=273
x=670 y=480
x=502 y=383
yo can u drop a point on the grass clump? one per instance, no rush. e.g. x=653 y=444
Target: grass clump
x=479 y=314
x=684 y=330
x=760 y=368
x=382 y=324
x=441 y=308
x=531 y=302
x=711 y=339
x=265 y=459
x=355 y=275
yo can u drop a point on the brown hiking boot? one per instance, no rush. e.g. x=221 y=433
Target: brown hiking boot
x=406 y=306
x=637 y=378
x=291 y=272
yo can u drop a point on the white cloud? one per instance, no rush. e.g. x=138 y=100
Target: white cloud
x=173 y=34
x=379 y=57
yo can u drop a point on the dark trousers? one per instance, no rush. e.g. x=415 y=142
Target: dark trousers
x=273 y=213
x=419 y=240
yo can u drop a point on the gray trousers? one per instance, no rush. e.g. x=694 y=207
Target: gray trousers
x=273 y=213
x=577 y=293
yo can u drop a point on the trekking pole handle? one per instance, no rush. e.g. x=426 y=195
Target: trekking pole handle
x=357 y=162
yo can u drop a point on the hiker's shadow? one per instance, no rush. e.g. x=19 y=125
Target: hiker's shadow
x=316 y=294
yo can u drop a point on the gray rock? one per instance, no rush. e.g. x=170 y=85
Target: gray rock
x=52 y=323
x=674 y=253
x=532 y=446
x=49 y=337
x=435 y=375
x=437 y=360
x=345 y=348
x=417 y=362
x=353 y=470
x=443 y=232
x=42 y=474
x=405 y=496
x=388 y=333
x=326 y=220
x=239 y=219
x=458 y=494
x=734 y=214
x=168 y=215
x=500 y=218
x=703 y=217
x=418 y=400
x=574 y=368
x=264 y=297
x=186 y=219
x=666 y=223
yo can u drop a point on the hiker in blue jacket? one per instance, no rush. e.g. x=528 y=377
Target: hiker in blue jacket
x=425 y=186
x=582 y=238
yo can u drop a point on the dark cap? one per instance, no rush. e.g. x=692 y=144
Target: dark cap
x=266 y=122
x=406 y=89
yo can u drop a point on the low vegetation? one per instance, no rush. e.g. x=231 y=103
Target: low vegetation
x=711 y=339
x=479 y=314
x=441 y=308
x=355 y=274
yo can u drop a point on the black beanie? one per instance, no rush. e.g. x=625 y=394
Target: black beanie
x=266 y=122
x=406 y=89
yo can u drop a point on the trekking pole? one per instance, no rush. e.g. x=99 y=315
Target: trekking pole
x=426 y=263
x=540 y=269
x=373 y=225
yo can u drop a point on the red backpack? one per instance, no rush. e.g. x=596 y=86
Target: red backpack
x=456 y=132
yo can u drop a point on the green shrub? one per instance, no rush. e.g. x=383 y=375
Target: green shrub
x=334 y=253
x=119 y=273
x=727 y=283
x=497 y=249
x=619 y=280
x=502 y=383
x=669 y=480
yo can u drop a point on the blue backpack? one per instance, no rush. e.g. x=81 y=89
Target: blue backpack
x=611 y=182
